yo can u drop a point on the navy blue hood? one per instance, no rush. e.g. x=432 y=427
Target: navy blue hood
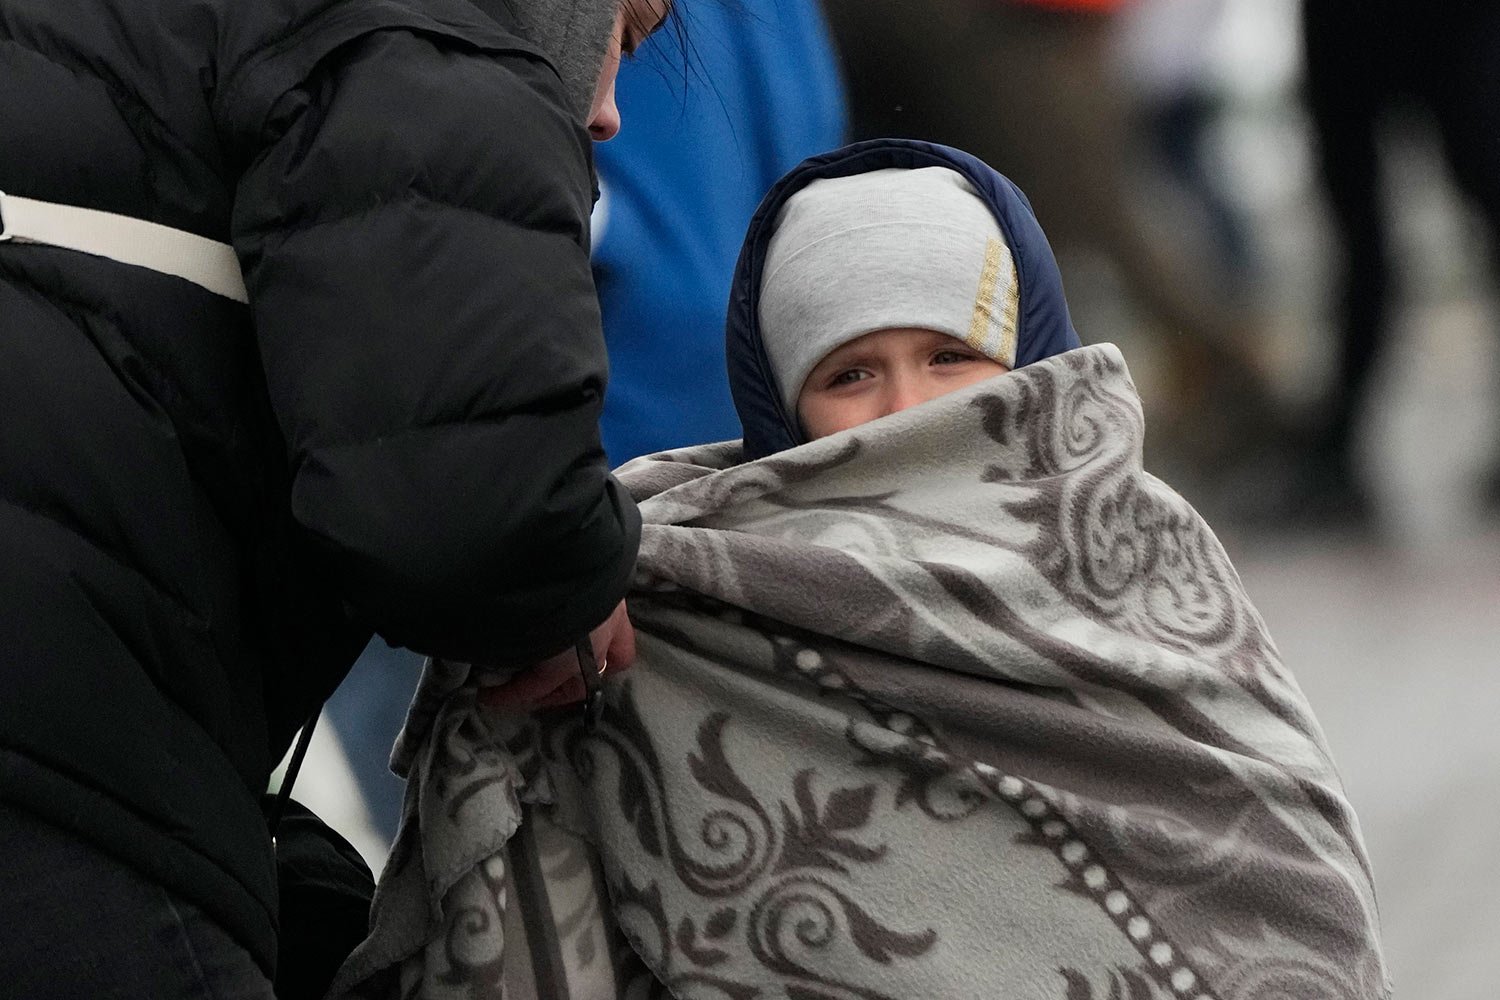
x=1044 y=326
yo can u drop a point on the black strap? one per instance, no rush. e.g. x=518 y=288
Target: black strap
x=593 y=688
x=293 y=766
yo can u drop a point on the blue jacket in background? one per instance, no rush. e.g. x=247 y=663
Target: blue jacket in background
x=1044 y=326
x=709 y=125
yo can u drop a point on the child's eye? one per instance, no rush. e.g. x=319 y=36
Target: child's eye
x=849 y=376
x=951 y=357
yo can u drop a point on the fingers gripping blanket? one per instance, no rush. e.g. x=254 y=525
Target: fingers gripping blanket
x=961 y=703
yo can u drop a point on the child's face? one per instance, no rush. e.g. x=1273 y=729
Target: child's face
x=886 y=371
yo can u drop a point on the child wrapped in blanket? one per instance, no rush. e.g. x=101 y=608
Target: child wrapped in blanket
x=939 y=694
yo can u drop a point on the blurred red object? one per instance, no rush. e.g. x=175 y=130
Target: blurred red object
x=1099 y=6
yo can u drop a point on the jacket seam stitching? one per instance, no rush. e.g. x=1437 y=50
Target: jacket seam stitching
x=139 y=110
x=191 y=618
x=277 y=235
x=78 y=778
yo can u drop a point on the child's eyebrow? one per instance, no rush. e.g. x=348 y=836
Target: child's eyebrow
x=837 y=360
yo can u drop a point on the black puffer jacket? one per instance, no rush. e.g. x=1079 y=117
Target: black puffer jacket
x=206 y=508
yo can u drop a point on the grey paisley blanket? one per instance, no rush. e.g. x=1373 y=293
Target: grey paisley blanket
x=962 y=703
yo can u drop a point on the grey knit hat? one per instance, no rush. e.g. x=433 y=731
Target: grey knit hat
x=885 y=249
x=573 y=34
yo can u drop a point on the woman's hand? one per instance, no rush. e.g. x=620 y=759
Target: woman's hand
x=556 y=681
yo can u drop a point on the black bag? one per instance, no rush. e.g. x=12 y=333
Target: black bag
x=325 y=889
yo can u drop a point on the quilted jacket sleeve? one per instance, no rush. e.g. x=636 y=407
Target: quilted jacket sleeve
x=413 y=220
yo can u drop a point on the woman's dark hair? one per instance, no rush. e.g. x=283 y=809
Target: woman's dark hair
x=682 y=63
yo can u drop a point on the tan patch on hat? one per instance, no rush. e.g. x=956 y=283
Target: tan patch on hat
x=1010 y=317
x=996 y=257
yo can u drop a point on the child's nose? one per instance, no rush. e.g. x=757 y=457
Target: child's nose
x=907 y=392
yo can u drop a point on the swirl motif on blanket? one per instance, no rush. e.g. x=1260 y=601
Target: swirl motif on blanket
x=782 y=871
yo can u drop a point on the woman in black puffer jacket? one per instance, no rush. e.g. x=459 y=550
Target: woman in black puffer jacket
x=206 y=508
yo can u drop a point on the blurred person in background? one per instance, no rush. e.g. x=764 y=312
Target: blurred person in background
x=1169 y=57
x=719 y=108
x=1034 y=87
x=1365 y=62
x=210 y=500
